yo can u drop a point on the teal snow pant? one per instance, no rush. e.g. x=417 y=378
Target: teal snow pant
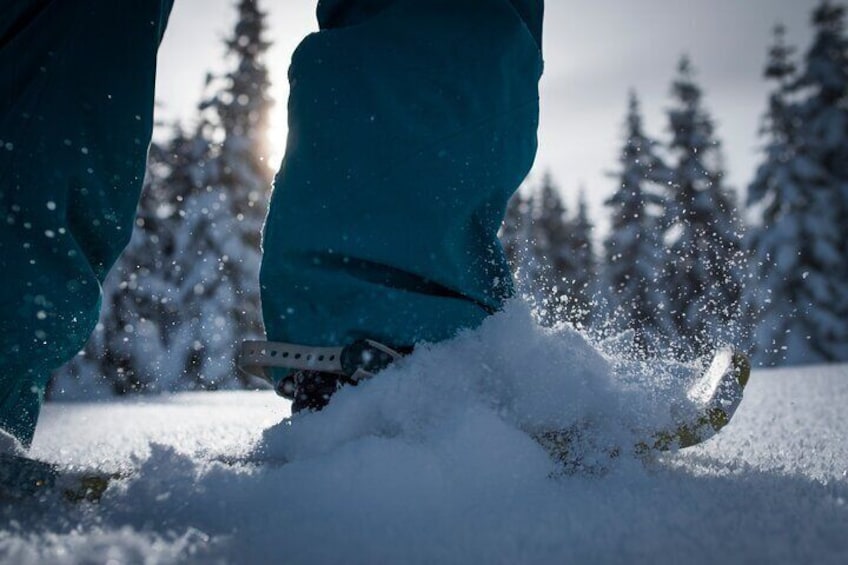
x=411 y=122
x=76 y=115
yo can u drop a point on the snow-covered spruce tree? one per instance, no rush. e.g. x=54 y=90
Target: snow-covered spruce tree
x=549 y=228
x=579 y=285
x=823 y=86
x=198 y=327
x=775 y=283
x=704 y=264
x=549 y=248
x=551 y=254
x=633 y=247
x=233 y=204
x=801 y=192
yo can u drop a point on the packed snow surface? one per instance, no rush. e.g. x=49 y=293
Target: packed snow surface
x=433 y=462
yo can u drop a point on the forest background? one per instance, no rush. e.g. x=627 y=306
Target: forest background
x=687 y=259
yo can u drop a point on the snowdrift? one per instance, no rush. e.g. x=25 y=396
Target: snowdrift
x=433 y=461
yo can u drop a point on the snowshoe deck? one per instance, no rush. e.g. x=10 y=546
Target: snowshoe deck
x=24 y=478
x=716 y=395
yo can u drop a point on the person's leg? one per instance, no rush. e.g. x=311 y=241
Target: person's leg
x=410 y=125
x=76 y=106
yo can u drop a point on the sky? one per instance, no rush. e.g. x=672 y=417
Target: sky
x=595 y=52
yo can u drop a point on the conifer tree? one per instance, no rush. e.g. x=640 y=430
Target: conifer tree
x=242 y=104
x=551 y=253
x=579 y=285
x=550 y=231
x=823 y=86
x=525 y=244
x=237 y=187
x=773 y=290
x=633 y=247
x=801 y=192
x=518 y=236
x=703 y=269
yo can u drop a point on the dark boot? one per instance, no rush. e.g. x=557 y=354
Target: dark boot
x=311 y=390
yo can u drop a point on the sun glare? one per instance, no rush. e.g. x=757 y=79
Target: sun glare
x=278 y=130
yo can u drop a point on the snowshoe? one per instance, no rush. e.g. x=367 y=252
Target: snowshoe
x=714 y=398
x=25 y=478
x=22 y=477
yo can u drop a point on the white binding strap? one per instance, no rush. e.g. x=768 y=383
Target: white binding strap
x=255 y=356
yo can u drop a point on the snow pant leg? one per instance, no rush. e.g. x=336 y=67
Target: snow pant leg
x=343 y=13
x=410 y=125
x=76 y=107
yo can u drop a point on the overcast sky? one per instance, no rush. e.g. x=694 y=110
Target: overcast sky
x=595 y=51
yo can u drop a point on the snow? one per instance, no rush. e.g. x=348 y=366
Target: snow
x=431 y=462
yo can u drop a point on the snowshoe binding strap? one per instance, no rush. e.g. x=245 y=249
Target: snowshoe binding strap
x=359 y=360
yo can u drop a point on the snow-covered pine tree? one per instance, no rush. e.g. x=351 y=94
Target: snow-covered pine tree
x=142 y=306
x=242 y=105
x=633 y=248
x=551 y=254
x=216 y=246
x=199 y=329
x=237 y=189
x=579 y=285
x=550 y=248
x=775 y=285
x=823 y=84
x=704 y=265
x=801 y=192
x=517 y=237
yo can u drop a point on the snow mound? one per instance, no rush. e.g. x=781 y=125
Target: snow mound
x=433 y=461
x=485 y=393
